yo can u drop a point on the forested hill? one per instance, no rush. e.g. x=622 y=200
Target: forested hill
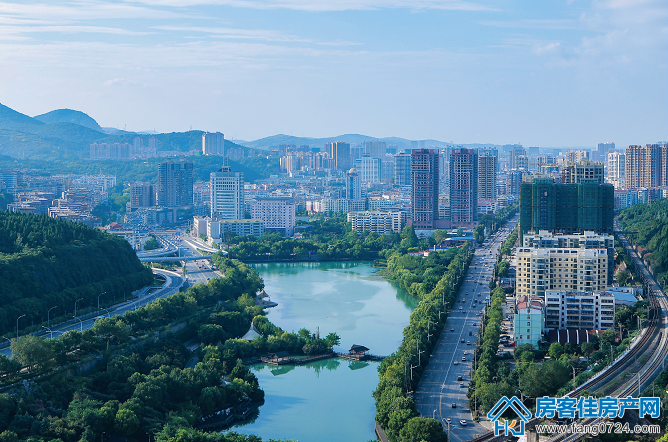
x=650 y=222
x=46 y=262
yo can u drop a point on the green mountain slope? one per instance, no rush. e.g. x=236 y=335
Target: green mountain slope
x=48 y=262
x=16 y=121
x=69 y=116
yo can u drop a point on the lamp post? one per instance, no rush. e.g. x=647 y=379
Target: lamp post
x=78 y=319
x=48 y=316
x=50 y=332
x=433 y=415
x=75 y=307
x=98 y=300
x=17 y=326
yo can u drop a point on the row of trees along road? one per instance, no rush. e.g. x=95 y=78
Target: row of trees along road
x=141 y=383
x=47 y=263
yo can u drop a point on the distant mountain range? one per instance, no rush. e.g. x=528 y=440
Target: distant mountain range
x=66 y=134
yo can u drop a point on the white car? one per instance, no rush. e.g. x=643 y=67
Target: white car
x=463 y=422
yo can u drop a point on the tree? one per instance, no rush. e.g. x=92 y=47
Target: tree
x=32 y=351
x=622 y=277
x=9 y=367
x=460 y=232
x=151 y=244
x=607 y=338
x=419 y=429
x=332 y=340
x=126 y=422
x=556 y=350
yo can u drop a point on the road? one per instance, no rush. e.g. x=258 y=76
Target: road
x=439 y=390
x=199 y=271
x=172 y=285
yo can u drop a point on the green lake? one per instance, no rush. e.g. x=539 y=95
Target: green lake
x=328 y=400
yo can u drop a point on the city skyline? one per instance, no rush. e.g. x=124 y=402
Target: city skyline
x=568 y=74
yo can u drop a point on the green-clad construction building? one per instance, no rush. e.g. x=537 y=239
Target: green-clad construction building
x=566 y=208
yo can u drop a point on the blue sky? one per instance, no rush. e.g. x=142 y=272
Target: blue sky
x=547 y=73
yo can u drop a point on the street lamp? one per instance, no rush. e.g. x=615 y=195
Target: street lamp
x=433 y=415
x=17 y=326
x=78 y=319
x=48 y=315
x=75 y=307
x=98 y=300
x=50 y=331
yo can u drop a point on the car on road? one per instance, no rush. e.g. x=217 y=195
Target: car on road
x=462 y=341
x=459 y=378
x=455 y=363
x=454 y=405
x=468 y=342
x=461 y=385
x=464 y=358
x=448 y=420
x=463 y=422
x=452 y=329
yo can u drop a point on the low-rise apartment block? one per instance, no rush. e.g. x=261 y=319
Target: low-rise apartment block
x=581 y=270
x=376 y=221
x=579 y=310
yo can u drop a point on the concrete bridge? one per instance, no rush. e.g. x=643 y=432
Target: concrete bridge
x=173 y=258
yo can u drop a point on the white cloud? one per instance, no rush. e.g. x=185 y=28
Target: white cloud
x=253 y=34
x=81 y=10
x=331 y=5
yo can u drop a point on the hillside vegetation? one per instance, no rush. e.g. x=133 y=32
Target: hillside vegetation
x=46 y=262
x=650 y=222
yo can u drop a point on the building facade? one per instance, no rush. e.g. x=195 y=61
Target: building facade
x=277 y=214
x=424 y=186
x=566 y=208
x=488 y=165
x=617 y=169
x=353 y=185
x=339 y=151
x=464 y=187
x=175 y=184
x=369 y=169
x=581 y=270
x=142 y=195
x=227 y=194
x=402 y=169
x=213 y=143
x=565 y=309
x=529 y=320
x=646 y=166
x=582 y=171
x=376 y=221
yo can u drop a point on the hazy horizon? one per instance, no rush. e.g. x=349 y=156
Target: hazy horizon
x=558 y=74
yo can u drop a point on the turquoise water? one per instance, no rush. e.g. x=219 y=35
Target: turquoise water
x=329 y=400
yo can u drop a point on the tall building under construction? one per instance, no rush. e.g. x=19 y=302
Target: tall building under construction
x=566 y=208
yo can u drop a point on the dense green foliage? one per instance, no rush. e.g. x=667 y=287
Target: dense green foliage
x=508 y=244
x=395 y=409
x=46 y=262
x=143 y=381
x=650 y=224
x=491 y=222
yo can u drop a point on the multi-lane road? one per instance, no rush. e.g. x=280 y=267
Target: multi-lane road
x=171 y=286
x=441 y=393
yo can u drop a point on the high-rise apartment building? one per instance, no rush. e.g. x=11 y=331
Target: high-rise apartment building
x=402 y=169
x=227 y=194
x=616 y=169
x=375 y=149
x=213 y=143
x=582 y=171
x=488 y=164
x=175 y=184
x=566 y=208
x=514 y=180
x=464 y=187
x=339 y=151
x=353 y=185
x=575 y=156
x=646 y=166
x=142 y=195
x=277 y=213
x=424 y=182
x=516 y=151
x=603 y=148
x=370 y=169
